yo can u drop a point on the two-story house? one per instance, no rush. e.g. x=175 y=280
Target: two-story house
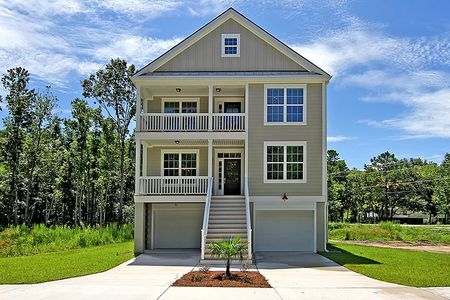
x=231 y=140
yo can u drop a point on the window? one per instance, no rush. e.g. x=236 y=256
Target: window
x=285 y=162
x=285 y=105
x=231 y=45
x=179 y=163
x=175 y=106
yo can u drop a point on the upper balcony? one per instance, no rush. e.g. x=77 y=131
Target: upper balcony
x=192 y=109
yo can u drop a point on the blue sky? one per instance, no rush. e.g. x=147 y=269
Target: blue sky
x=390 y=60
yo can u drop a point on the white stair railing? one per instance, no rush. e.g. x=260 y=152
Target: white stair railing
x=173 y=185
x=247 y=215
x=204 y=230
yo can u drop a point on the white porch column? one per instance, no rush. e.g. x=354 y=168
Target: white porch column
x=210 y=106
x=137 y=172
x=144 y=160
x=138 y=108
x=210 y=158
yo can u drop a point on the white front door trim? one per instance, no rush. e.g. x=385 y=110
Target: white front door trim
x=222 y=160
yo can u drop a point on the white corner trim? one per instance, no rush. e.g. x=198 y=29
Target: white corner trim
x=285 y=144
x=285 y=105
x=238 y=46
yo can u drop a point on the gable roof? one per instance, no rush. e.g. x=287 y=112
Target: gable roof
x=231 y=13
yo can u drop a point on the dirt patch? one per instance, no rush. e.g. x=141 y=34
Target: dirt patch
x=251 y=279
x=417 y=246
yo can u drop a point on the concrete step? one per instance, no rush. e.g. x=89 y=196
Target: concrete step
x=225 y=235
x=226 y=217
x=232 y=231
x=227 y=205
x=226 y=212
x=227 y=225
x=223 y=221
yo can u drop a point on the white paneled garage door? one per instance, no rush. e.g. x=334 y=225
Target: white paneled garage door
x=281 y=230
x=177 y=228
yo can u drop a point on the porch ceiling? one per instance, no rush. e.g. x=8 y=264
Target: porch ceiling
x=192 y=90
x=180 y=143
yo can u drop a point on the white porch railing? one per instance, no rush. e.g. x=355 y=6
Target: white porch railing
x=192 y=122
x=204 y=230
x=228 y=122
x=247 y=214
x=173 y=185
x=174 y=122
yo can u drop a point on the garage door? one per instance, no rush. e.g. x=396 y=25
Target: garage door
x=279 y=230
x=176 y=228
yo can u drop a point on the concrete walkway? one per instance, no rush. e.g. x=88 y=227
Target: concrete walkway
x=292 y=276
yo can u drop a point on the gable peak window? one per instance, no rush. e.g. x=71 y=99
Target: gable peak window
x=231 y=45
x=285 y=104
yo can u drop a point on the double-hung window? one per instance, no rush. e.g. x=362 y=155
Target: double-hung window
x=231 y=45
x=180 y=163
x=185 y=106
x=285 y=162
x=285 y=105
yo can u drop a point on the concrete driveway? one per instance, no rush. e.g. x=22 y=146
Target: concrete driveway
x=292 y=276
x=146 y=277
x=298 y=275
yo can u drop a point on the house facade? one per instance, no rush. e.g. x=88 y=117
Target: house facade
x=231 y=141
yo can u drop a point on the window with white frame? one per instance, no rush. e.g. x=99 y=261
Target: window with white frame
x=180 y=163
x=285 y=162
x=231 y=45
x=285 y=104
x=176 y=106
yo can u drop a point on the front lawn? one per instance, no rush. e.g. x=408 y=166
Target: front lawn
x=64 y=264
x=406 y=267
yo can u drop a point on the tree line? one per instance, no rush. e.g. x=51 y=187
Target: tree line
x=388 y=186
x=68 y=171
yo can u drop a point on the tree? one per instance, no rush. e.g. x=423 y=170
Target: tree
x=19 y=101
x=441 y=196
x=113 y=89
x=227 y=250
x=337 y=193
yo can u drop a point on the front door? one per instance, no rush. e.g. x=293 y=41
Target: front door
x=232 y=176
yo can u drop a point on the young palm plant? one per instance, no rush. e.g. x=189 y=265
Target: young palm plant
x=227 y=250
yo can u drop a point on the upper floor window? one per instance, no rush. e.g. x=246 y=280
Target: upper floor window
x=231 y=45
x=176 y=106
x=285 y=105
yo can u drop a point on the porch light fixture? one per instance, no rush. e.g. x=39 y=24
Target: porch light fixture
x=284 y=198
x=218 y=90
x=178 y=90
x=177 y=142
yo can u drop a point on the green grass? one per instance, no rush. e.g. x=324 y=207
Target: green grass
x=387 y=231
x=406 y=267
x=65 y=264
x=21 y=240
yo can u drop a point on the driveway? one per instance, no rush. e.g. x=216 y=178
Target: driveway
x=145 y=277
x=311 y=276
x=292 y=276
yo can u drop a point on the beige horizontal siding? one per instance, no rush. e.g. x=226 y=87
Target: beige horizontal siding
x=311 y=133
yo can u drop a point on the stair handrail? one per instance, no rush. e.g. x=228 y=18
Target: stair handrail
x=247 y=214
x=204 y=230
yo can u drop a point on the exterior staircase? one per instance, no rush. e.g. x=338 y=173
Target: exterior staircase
x=227 y=219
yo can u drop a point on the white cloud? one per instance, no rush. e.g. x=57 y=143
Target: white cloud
x=135 y=49
x=338 y=138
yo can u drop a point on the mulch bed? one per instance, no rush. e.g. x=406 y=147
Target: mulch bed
x=216 y=279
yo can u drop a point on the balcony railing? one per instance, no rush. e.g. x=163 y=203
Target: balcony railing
x=160 y=122
x=173 y=185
